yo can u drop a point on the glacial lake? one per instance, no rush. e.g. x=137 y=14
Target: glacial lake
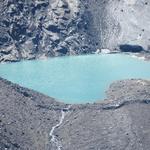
x=75 y=79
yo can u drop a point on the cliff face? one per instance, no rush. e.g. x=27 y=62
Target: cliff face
x=42 y=28
x=32 y=29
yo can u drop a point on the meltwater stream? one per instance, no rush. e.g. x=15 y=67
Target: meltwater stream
x=75 y=79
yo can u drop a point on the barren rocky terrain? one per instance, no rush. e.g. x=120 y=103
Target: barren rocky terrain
x=33 y=29
x=30 y=120
x=44 y=28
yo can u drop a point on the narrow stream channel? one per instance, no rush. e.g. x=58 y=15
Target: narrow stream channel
x=51 y=134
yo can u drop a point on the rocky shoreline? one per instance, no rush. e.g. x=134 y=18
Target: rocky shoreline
x=122 y=120
x=143 y=56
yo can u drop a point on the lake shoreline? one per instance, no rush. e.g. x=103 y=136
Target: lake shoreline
x=121 y=105
x=78 y=79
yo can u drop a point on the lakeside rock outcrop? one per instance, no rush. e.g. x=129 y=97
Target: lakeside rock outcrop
x=120 y=122
x=44 y=28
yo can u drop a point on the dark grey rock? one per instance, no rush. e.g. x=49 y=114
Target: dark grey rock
x=37 y=28
x=33 y=29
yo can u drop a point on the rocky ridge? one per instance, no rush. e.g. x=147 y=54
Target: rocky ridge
x=37 y=29
x=45 y=28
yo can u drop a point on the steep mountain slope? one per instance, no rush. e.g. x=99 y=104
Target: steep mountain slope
x=42 y=28
x=31 y=29
x=121 y=22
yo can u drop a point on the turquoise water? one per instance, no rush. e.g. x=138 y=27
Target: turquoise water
x=75 y=79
